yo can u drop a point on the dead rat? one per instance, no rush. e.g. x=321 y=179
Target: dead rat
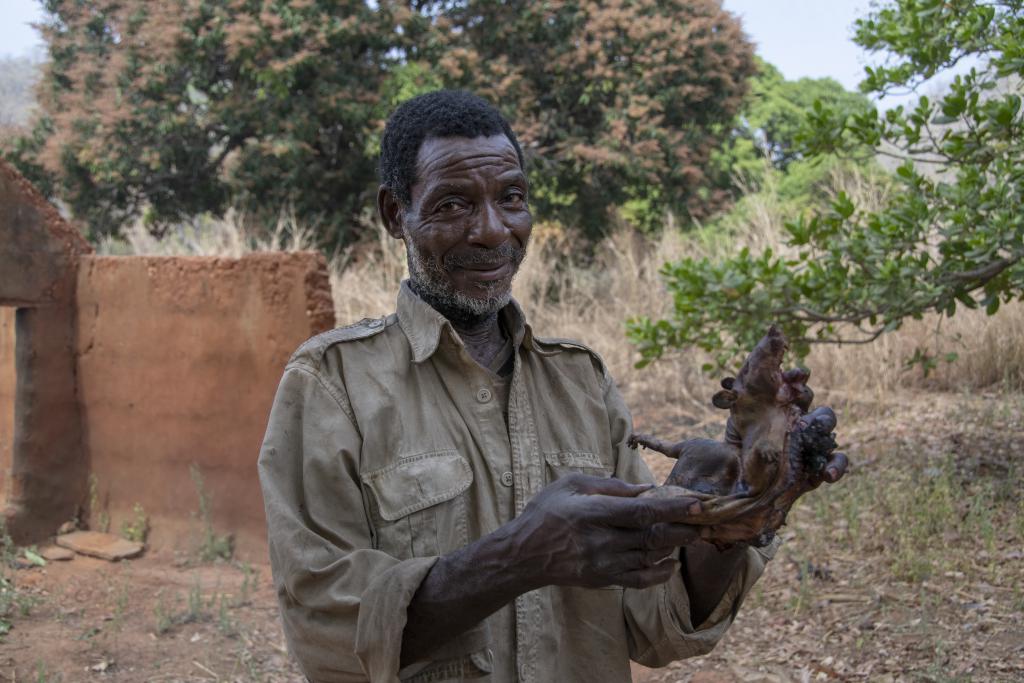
x=773 y=451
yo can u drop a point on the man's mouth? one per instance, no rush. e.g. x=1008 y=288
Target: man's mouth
x=487 y=271
x=485 y=265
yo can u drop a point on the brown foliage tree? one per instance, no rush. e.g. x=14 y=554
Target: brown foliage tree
x=171 y=109
x=174 y=108
x=617 y=102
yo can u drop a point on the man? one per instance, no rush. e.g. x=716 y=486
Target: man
x=450 y=496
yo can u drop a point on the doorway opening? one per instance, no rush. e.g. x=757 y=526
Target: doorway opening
x=8 y=382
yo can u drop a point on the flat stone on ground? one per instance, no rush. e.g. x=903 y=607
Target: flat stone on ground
x=53 y=553
x=98 y=544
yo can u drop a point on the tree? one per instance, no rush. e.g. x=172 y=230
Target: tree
x=173 y=109
x=616 y=102
x=951 y=234
x=176 y=108
x=770 y=120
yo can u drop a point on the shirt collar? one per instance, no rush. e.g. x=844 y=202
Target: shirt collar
x=424 y=326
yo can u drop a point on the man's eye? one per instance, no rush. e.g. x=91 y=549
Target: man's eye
x=515 y=198
x=447 y=206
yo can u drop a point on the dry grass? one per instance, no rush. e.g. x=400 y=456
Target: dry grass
x=592 y=301
x=206 y=236
x=990 y=355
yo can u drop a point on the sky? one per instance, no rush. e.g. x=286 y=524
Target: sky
x=801 y=37
x=806 y=38
x=17 y=38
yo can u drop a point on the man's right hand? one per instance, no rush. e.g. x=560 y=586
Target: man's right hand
x=578 y=531
x=592 y=531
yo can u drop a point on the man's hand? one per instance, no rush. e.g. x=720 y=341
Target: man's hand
x=578 y=531
x=812 y=435
x=590 y=531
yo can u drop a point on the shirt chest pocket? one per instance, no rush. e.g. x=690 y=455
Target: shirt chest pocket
x=418 y=506
x=561 y=463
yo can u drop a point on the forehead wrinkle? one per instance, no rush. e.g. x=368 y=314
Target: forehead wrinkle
x=448 y=184
x=446 y=164
x=459 y=152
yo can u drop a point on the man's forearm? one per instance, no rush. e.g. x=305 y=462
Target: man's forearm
x=707 y=573
x=470 y=584
x=460 y=591
x=578 y=531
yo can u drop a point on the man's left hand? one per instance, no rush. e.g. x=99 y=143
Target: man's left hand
x=813 y=435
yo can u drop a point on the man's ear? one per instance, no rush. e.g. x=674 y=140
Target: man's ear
x=390 y=211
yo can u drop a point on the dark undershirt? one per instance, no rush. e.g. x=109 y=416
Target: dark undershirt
x=500 y=371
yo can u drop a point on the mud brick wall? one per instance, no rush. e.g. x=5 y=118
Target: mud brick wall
x=128 y=370
x=45 y=473
x=178 y=362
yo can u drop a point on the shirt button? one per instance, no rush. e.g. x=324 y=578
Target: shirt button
x=374 y=324
x=483 y=394
x=506 y=478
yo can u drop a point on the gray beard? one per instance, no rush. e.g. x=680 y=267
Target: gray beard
x=429 y=281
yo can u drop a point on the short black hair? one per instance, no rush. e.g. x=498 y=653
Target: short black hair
x=438 y=114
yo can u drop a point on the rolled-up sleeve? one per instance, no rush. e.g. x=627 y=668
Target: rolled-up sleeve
x=343 y=604
x=658 y=618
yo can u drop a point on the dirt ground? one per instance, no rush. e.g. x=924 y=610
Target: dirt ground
x=146 y=619
x=910 y=569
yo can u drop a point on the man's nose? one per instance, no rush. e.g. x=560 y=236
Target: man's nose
x=489 y=230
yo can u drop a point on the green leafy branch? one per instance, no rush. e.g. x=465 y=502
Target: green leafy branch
x=950 y=234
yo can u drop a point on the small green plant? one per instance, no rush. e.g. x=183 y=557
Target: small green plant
x=216 y=605
x=137 y=528
x=1019 y=519
x=245 y=658
x=8 y=551
x=120 y=606
x=801 y=600
x=7 y=595
x=926 y=507
x=32 y=556
x=213 y=546
x=195 y=604
x=807 y=572
x=225 y=624
x=99 y=519
x=13 y=602
x=248 y=583
x=164 y=621
x=195 y=611
x=89 y=633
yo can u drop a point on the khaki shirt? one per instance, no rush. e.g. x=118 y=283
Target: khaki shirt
x=387 y=447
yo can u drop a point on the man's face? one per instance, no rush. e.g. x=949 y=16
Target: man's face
x=468 y=223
